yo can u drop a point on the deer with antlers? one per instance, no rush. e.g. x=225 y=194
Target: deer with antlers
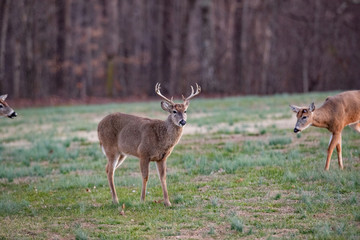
x=149 y=140
x=5 y=109
x=336 y=112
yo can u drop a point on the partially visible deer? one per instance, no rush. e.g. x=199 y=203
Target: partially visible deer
x=5 y=109
x=149 y=140
x=336 y=112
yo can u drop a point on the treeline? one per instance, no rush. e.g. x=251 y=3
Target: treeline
x=82 y=48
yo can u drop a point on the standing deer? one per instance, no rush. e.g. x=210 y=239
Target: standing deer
x=149 y=140
x=5 y=109
x=337 y=112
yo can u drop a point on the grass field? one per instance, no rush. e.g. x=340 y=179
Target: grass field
x=239 y=171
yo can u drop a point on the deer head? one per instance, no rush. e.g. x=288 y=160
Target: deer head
x=5 y=109
x=177 y=111
x=304 y=116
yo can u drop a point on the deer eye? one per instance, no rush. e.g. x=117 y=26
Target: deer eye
x=1 y=106
x=184 y=111
x=174 y=111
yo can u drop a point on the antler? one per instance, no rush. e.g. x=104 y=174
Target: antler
x=157 y=90
x=198 y=90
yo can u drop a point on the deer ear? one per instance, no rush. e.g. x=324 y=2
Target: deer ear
x=312 y=107
x=294 y=108
x=3 y=97
x=167 y=107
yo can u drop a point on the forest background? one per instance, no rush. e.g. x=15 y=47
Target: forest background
x=83 y=49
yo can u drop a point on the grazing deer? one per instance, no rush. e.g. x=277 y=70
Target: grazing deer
x=5 y=109
x=149 y=140
x=337 y=112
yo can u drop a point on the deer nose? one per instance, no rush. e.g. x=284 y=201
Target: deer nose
x=12 y=115
x=182 y=122
x=296 y=130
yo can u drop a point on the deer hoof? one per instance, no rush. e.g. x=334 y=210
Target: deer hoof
x=167 y=203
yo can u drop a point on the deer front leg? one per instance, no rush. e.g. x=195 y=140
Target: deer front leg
x=161 y=167
x=334 y=140
x=144 y=167
x=338 y=149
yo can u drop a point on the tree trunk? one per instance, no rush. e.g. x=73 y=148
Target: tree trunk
x=60 y=46
x=206 y=52
x=244 y=46
x=305 y=70
x=167 y=42
x=17 y=66
x=266 y=60
x=4 y=27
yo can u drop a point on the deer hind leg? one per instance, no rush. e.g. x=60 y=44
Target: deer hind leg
x=144 y=167
x=161 y=167
x=334 y=140
x=120 y=161
x=113 y=160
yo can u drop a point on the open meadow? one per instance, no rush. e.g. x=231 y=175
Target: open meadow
x=239 y=171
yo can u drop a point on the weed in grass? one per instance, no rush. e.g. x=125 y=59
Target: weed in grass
x=357 y=216
x=82 y=207
x=302 y=212
x=290 y=177
x=211 y=231
x=322 y=230
x=352 y=200
x=252 y=147
x=80 y=234
x=277 y=196
x=214 y=202
x=9 y=206
x=11 y=173
x=306 y=199
x=236 y=224
x=178 y=199
x=231 y=147
x=340 y=228
x=189 y=161
x=203 y=166
x=237 y=130
x=279 y=141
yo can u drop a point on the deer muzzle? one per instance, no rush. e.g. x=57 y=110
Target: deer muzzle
x=12 y=115
x=182 y=122
x=296 y=130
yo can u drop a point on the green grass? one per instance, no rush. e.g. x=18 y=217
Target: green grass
x=248 y=176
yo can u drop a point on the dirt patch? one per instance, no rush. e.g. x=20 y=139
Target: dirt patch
x=16 y=144
x=281 y=233
x=26 y=180
x=203 y=233
x=91 y=136
x=250 y=127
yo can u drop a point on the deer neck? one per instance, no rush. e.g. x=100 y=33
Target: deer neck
x=174 y=132
x=320 y=118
